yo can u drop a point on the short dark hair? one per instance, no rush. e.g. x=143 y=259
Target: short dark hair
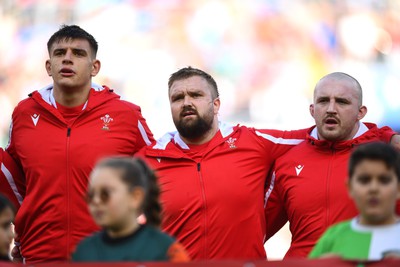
x=376 y=151
x=67 y=32
x=188 y=72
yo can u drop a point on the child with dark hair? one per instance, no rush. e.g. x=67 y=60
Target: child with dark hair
x=7 y=213
x=121 y=189
x=374 y=185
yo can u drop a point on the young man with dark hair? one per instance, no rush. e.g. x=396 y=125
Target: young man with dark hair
x=57 y=135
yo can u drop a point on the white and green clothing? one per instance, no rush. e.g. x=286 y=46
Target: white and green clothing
x=351 y=240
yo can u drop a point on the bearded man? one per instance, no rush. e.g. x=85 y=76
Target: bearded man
x=212 y=175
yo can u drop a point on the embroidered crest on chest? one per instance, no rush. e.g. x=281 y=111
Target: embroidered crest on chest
x=106 y=122
x=231 y=142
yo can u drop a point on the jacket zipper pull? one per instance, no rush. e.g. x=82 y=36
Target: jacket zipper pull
x=68 y=132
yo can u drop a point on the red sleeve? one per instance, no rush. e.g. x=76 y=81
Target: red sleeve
x=275 y=213
x=293 y=134
x=278 y=142
x=144 y=135
x=12 y=180
x=386 y=134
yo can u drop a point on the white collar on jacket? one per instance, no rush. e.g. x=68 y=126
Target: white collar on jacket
x=361 y=130
x=47 y=94
x=162 y=143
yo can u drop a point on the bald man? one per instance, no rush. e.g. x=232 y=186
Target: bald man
x=307 y=186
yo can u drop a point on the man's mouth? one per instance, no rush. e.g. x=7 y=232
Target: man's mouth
x=66 y=72
x=188 y=113
x=331 y=121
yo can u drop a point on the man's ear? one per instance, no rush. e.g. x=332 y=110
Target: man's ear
x=96 y=65
x=216 y=104
x=362 y=111
x=312 y=110
x=48 y=67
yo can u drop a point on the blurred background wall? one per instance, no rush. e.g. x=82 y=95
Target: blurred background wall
x=266 y=55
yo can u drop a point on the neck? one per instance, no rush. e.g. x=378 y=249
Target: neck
x=71 y=97
x=378 y=222
x=206 y=137
x=123 y=231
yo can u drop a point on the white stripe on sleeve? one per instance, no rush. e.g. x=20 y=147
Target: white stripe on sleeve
x=280 y=140
x=11 y=182
x=143 y=133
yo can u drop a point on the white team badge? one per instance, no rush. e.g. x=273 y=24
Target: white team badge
x=299 y=168
x=35 y=118
x=231 y=142
x=106 y=122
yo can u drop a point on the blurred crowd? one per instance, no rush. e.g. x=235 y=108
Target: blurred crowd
x=266 y=55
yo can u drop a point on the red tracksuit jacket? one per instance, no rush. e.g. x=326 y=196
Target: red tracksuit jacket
x=308 y=188
x=57 y=159
x=213 y=203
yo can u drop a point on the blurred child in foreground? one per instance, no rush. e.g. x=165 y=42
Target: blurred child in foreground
x=120 y=189
x=374 y=185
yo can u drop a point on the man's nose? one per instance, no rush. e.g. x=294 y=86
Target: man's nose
x=187 y=101
x=67 y=57
x=332 y=107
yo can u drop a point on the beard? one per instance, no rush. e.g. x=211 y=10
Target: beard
x=196 y=128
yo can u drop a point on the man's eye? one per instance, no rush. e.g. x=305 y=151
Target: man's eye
x=79 y=53
x=176 y=98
